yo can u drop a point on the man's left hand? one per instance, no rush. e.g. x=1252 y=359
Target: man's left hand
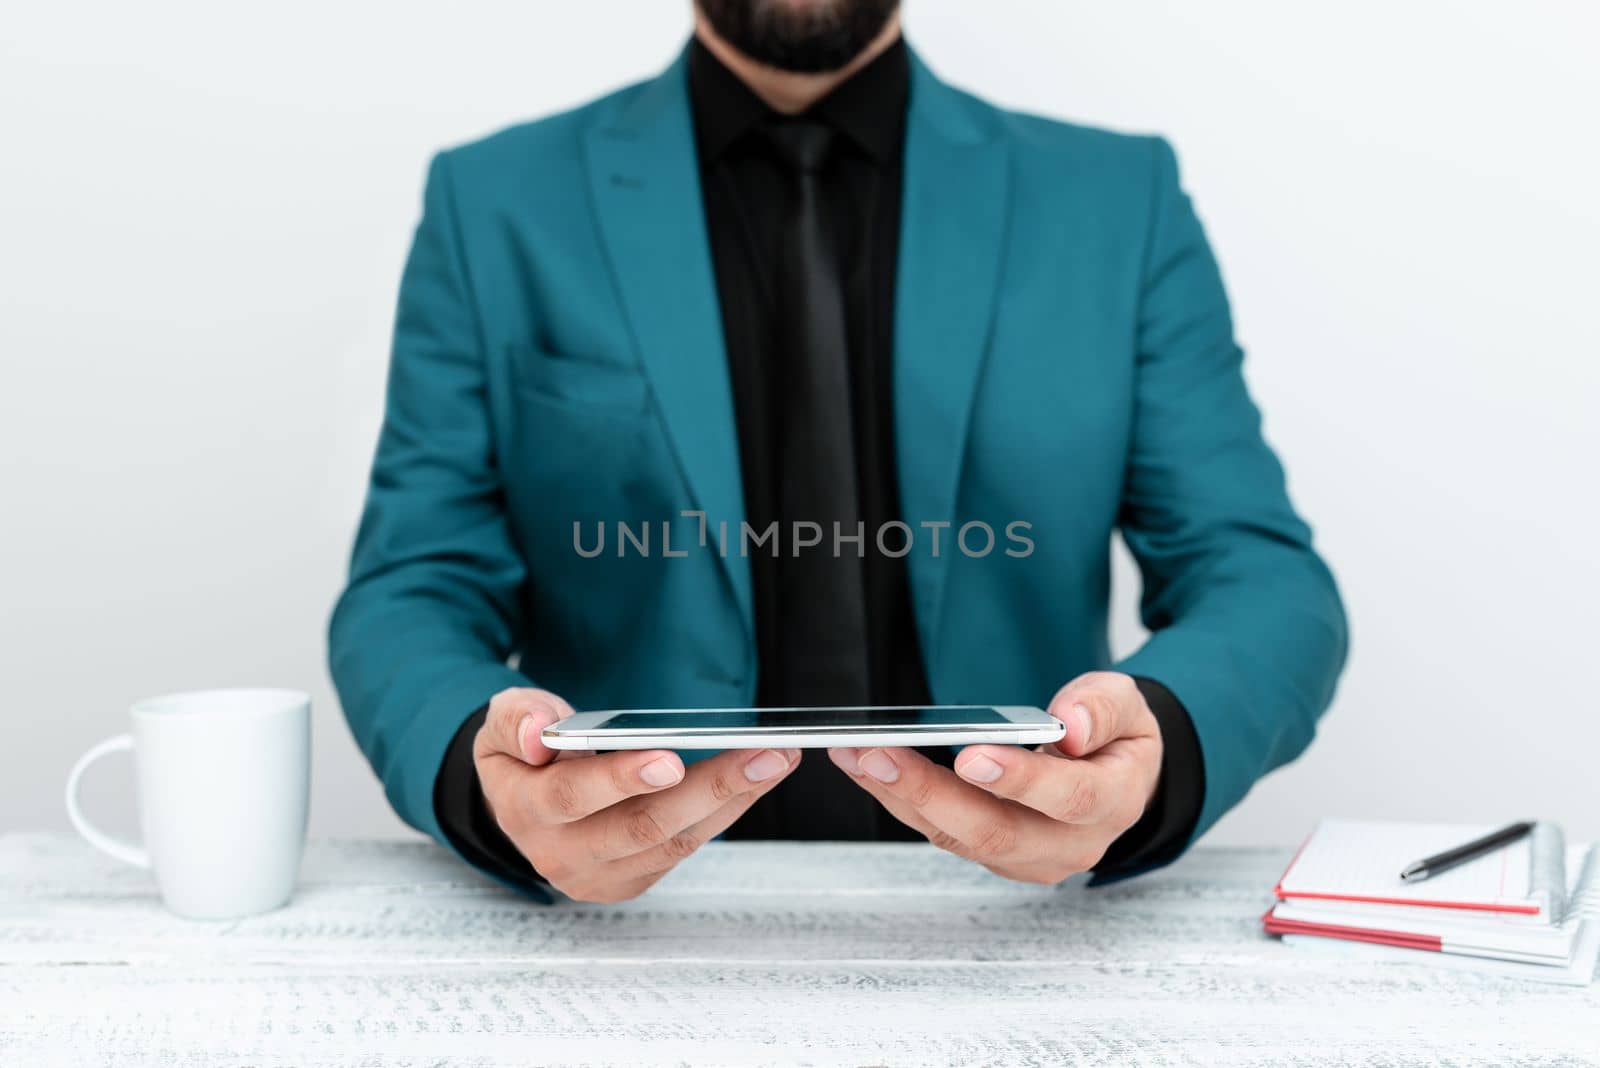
x=1035 y=815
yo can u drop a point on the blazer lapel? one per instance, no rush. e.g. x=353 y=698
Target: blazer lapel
x=645 y=180
x=952 y=233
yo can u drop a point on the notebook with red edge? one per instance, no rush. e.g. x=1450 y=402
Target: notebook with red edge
x=1360 y=861
x=1274 y=925
x=1564 y=950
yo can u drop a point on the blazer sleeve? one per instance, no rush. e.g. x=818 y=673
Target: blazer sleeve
x=1247 y=628
x=420 y=638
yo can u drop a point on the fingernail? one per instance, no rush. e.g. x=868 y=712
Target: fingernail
x=980 y=769
x=1085 y=725
x=876 y=762
x=846 y=759
x=765 y=765
x=522 y=737
x=662 y=771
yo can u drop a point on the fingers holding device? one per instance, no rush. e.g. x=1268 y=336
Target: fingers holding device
x=1030 y=815
x=607 y=826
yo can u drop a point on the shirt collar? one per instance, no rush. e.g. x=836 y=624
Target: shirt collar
x=869 y=107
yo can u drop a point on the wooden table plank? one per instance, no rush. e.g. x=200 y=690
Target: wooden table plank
x=782 y=954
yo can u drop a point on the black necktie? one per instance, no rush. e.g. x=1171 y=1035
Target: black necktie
x=819 y=591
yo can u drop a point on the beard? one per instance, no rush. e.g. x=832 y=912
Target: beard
x=804 y=36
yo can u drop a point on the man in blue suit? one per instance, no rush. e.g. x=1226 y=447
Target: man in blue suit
x=794 y=376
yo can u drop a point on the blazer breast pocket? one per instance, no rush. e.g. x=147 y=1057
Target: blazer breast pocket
x=578 y=382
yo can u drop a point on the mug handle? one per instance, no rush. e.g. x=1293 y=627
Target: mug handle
x=120 y=848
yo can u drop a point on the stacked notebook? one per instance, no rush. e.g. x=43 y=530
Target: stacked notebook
x=1531 y=909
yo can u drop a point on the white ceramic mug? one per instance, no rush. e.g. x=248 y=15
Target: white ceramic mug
x=223 y=783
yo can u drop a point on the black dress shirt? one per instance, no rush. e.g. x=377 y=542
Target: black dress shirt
x=745 y=194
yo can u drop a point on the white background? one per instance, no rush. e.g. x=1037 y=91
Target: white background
x=204 y=209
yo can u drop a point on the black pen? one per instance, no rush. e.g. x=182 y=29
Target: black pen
x=1415 y=873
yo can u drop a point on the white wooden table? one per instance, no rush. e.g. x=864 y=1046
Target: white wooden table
x=750 y=954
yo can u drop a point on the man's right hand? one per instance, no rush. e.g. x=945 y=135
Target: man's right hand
x=606 y=826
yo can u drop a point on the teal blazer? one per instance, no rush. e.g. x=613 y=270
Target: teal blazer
x=1063 y=357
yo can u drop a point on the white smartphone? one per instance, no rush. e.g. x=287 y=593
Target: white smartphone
x=803 y=728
